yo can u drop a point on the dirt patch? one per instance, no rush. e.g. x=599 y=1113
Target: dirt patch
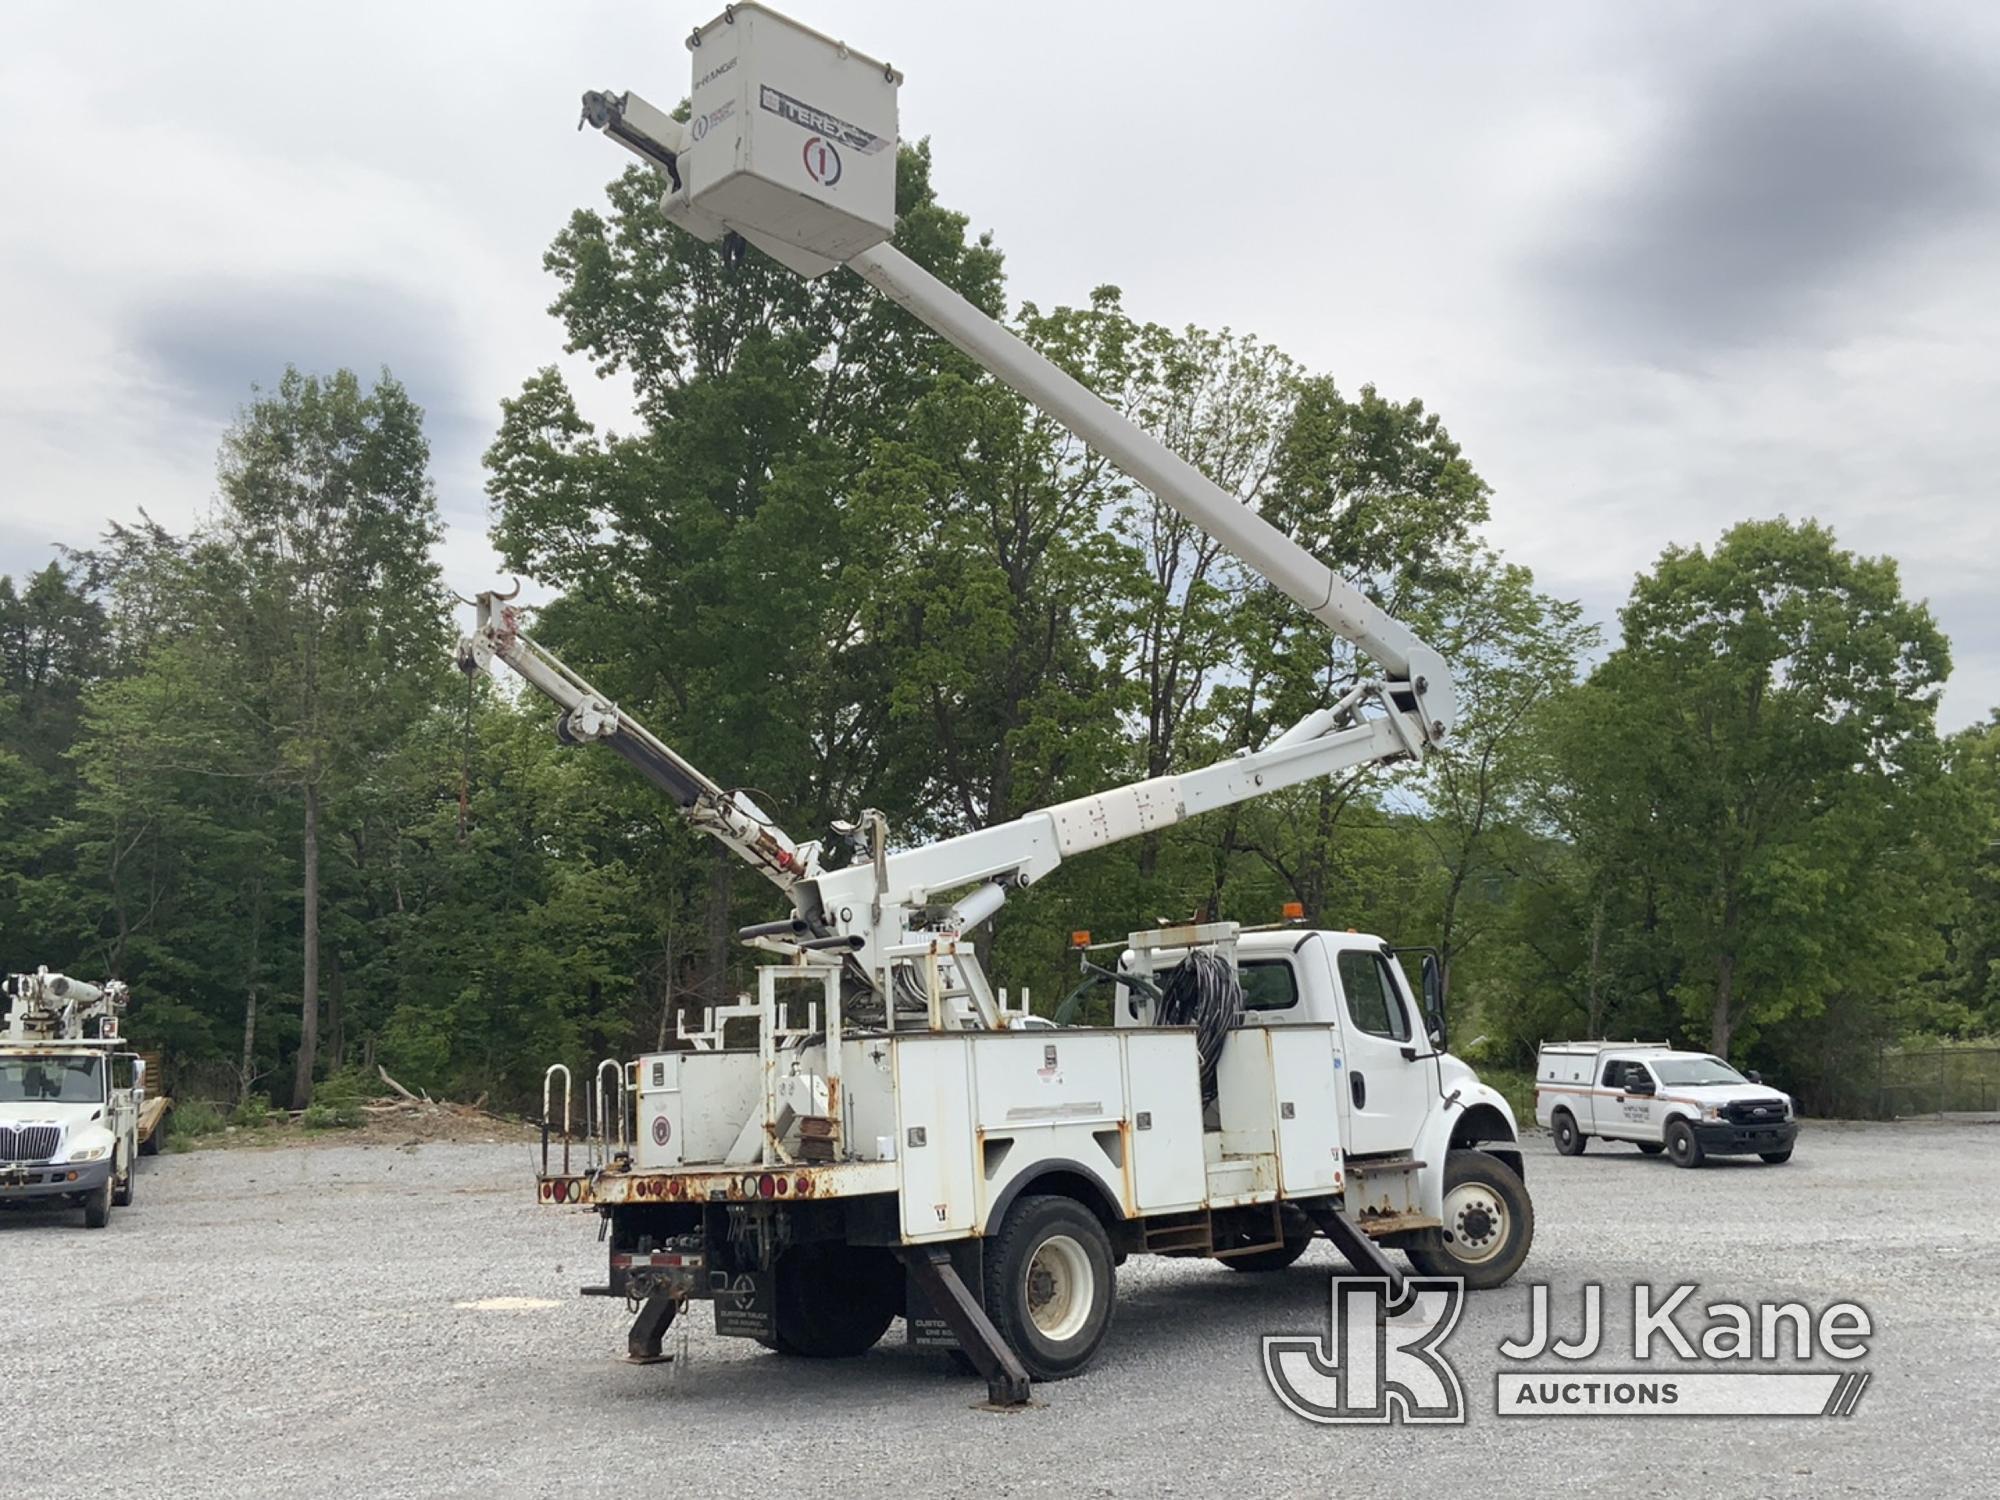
x=382 y=1125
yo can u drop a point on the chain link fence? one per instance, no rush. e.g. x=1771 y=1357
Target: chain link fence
x=1938 y=1081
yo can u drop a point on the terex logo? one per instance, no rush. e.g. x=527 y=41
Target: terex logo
x=1379 y=1360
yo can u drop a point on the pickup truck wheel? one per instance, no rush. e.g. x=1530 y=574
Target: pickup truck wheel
x=97 y=1206
x=834 y=1301
x=1050 y=1284
x=1649 y=1148
x=1682 y=1147
x=1776 y=1158
x=1489 y=1223
x=1569 y=1140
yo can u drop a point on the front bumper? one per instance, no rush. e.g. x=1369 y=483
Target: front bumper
x=1722 y=1138
x=49 y=1180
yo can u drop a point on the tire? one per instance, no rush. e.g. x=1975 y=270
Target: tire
x=1274 y=1259
x=1489 y=1224
x=1050 y=1284
x=1570 y=1141
x=1682 y=1148
x=834 y=1301
x=1776 y=1158
x=1649 y=1148
x=97 y=1206
x=150 y=1146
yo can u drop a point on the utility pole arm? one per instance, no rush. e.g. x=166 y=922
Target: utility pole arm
x=587 y=715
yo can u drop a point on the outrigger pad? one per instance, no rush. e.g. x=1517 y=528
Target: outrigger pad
x=1006 y=1378
x=1352 y=1241
x=649 y=1330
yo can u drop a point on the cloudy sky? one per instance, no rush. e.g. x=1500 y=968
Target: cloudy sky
x=1660 y=268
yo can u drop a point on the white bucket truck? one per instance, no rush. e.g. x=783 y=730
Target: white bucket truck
x=877 y=1132
x=70 y=1096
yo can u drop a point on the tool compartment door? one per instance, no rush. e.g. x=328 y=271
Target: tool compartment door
x=935 y=1150
x=1163 y=1087
x=1308 y=1108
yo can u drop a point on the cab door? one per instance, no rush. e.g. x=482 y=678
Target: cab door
x=1386 y=1070
x=1624 y=1113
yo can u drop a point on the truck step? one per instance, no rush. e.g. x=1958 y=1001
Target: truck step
x=1186 y=1234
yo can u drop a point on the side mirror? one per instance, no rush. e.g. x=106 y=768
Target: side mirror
x=1754 y=1076
x=1639 y=1083
x=1433 y=987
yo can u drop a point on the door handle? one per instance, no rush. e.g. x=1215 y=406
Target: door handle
x=1358 y=1087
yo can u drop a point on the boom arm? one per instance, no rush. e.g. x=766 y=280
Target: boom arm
x=729 y=816
x=791 y=146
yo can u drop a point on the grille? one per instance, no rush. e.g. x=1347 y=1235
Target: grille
x=1756 y=1111
x=28 y=1142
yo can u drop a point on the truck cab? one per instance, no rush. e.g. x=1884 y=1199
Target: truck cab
x=1689 y=1105
x=69 y=1115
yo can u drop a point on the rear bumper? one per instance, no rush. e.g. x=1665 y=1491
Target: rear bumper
x=47 y=1180
x=1721 y=1138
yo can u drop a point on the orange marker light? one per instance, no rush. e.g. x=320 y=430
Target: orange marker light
x=1079 y=940
x=1294 y=911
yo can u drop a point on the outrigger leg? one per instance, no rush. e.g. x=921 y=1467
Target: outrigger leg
x=1006 y=1379
x=1352 y=1241
x=649 y=1330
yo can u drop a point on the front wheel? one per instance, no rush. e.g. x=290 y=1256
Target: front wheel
x=97 y=1205
x=1569 y=1140
x=1776 y=1158
x=1050 y=1284
x=1489 y=1223
x=1682 y=1147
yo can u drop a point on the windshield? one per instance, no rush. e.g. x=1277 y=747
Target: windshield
x=1693 y=1072
x=51 y=1080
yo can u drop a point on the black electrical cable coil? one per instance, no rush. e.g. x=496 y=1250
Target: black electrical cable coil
x=1202 y=991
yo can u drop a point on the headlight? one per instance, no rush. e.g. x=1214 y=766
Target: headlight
x=1712 y=1112
x=90 y=1153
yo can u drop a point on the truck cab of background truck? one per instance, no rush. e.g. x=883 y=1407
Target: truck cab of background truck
x=1690 y=1105
x=68 y=1125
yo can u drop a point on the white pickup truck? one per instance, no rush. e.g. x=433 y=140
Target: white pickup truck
x=1691 y=1105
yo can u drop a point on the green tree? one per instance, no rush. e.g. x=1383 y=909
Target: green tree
x=322 y=603
x=1760 y=760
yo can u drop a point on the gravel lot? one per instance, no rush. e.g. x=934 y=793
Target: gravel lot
x=295 y=1323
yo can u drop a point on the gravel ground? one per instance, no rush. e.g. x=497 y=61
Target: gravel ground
x=304 y=1323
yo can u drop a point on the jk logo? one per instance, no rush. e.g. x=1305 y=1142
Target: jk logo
x=1379 y=1361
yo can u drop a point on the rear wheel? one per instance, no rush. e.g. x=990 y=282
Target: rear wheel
x=834 y=1301
x=1569 y=1140
x=1682 y=1147
x=1050 y=1284
x=1649 y=1148
x=1489 y=1223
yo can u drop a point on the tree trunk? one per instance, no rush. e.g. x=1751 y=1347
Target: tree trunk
x=1725 y=986
x=302 y=1078
x=250 y=993
x=336 y=1040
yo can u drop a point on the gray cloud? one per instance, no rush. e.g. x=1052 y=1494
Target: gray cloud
x=1803 y=156
x=207 y=344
